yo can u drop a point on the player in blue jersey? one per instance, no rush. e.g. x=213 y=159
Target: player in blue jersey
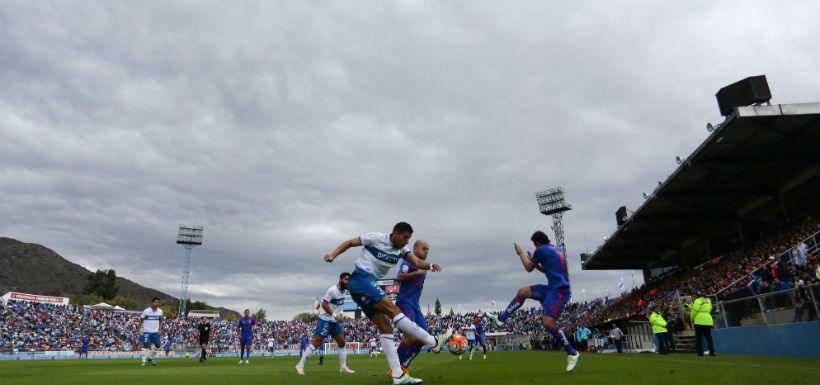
x=86 y=341
x=480 y=337
x=245 y=327
x=303 y=344
x=411 y=282
x=381 y=252
x=168 y=345
x=553 y=296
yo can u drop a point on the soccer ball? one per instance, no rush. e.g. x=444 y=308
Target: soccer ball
x=457 y=344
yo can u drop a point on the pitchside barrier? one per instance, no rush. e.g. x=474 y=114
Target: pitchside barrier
x=499 y=342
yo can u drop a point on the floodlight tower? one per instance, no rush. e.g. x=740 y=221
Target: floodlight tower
x=551 y=202
x=189 y=237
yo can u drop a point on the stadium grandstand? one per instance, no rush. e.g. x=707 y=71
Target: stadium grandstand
x=738 y=221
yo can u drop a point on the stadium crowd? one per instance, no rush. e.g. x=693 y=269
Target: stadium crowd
x=27 y=326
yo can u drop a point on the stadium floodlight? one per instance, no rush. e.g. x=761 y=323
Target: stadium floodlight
x=678 y=159
x=189 y=236
x=709 y=127
x=551 y=202
x=645 y=196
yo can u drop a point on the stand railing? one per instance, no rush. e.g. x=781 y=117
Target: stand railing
x=798 y=304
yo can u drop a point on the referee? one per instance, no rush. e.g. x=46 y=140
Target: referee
x=204 y=329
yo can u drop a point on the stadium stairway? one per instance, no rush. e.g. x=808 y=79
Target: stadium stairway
x=685 y=341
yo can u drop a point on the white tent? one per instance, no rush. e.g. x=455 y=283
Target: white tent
x=102 y=305
x=118 y=308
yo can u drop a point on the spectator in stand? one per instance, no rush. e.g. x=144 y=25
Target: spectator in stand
x=617 y=338
x=582 y=337
x=802 y=301
x=800 y=255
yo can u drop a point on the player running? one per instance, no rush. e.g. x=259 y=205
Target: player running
x=150 y=324
x=329 y=324
x=470 y=333
x=411 y=282
x=481 y=338
x=553 y=296
x=380 y=253
x=245 y=327
x=168 y=345
x=204 y=335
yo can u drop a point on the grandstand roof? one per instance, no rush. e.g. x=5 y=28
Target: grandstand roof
x=757 y=168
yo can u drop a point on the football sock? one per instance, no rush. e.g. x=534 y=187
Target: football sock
x=409 y=327
x=342 y=357
x=403 y=351
x=412 y=352
x=512 y=307
x=389 y=347
x=144 y=354
x=306 y=354
x=558 y=334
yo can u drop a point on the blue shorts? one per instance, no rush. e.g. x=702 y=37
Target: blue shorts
x=552 y=300
x=150 y=338
x=482 y=340
x=327 y=329
x=246 y=341
x=365 y=291
x=470 y=341
x=413 y=313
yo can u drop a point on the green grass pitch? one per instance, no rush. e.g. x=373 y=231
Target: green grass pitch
x=525 y=367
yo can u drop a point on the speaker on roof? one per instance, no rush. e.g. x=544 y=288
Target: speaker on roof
x=752 y=90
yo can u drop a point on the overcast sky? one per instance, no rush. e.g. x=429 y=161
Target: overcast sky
x=288 y=127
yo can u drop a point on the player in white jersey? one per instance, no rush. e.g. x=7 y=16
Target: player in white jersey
x=329 y=324
x=380 y=253
x=270 y=346
x=150 y=324
x=374 y=350
x=469 y=332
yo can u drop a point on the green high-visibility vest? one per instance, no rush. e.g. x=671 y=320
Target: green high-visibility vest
x=658 y=323
x=702 y=312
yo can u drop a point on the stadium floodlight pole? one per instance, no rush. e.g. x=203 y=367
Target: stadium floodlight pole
x=189 y=236
x=551 y=203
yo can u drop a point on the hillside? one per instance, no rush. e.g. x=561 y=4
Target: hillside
x=36 y=269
